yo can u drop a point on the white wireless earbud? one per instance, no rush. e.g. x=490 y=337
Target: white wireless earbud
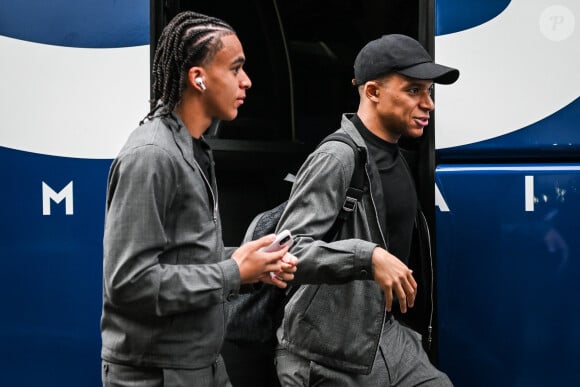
x=199 y=81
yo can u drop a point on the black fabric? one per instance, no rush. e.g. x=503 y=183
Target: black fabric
x=201 y=154
x=398 y=186
x=399 y=196
x=357 y=186
x=201 y=151
x=267 y=221
x=250 y=364
x=400 y=54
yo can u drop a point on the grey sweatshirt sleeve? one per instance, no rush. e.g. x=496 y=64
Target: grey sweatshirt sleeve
x=152 y=262
x=315 y=201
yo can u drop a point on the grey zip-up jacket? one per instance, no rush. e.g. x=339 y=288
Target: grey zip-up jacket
x=167 y=275
x=336 y=316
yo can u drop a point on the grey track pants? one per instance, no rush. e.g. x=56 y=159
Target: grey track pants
x=399 y=362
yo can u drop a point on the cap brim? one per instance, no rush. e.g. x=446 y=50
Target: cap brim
x=429 y=70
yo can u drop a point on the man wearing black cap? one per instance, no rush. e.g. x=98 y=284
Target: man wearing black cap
x=339 y=328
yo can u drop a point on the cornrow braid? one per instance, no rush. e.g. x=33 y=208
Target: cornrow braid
x=190 y=39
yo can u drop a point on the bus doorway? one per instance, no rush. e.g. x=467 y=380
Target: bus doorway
x=299 y=57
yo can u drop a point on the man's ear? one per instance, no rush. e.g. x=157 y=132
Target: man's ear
x=195 y=78
x=372 y=90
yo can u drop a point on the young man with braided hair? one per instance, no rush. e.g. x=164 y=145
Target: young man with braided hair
x=167 y=275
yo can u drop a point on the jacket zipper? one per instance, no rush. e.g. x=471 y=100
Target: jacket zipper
x=213 y=195
x=431 y=284
x=384 y=244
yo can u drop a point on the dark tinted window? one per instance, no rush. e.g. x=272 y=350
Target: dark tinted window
x=299 y=57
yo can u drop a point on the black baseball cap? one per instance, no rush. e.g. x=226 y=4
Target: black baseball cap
x=400 y=54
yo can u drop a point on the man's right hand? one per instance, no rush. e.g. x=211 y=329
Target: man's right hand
x=255 y=265
x=392 y=275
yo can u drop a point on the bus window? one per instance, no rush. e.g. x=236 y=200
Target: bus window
x=299 y=57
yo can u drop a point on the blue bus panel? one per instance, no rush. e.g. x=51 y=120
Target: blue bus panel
x=80 y=23
x=458 y=15
x=518 y=94
x=51 y=281
x=68 y=65
x=508 y=263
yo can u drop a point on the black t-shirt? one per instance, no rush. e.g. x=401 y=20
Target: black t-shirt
x=399 y=192
x=201 y=154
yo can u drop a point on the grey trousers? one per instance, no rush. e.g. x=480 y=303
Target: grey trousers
x=118 y=375
x=400 y=361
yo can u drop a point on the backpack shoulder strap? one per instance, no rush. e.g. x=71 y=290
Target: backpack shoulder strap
x=357 y=183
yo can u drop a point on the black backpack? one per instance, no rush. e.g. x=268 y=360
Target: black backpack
x=254 y=317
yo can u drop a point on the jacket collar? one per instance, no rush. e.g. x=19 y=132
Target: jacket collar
x=182 y=138
x=375 y=185
x=347 y=125
x=184 y=142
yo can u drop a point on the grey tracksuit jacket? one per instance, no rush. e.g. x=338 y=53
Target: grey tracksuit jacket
x=167 y=275
x=336 y=316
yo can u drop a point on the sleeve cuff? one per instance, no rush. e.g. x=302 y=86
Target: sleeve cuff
x=363 y=262
x=231 y=279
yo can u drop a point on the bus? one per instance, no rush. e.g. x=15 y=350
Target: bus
x=507 y=192
x=498 y=166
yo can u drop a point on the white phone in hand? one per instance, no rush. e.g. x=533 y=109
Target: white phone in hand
x=283 y=239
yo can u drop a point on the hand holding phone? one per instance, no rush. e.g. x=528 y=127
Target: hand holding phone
x=283 y=239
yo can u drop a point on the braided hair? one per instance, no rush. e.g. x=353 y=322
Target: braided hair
x=190 y=39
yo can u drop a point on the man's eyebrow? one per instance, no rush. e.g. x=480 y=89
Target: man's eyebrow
x=419 y=84
x=239 y=60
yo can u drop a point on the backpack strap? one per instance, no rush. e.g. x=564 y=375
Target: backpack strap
x=356 y=187
x=354 y=194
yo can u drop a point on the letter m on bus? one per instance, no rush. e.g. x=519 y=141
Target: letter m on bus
x=49 y=194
